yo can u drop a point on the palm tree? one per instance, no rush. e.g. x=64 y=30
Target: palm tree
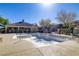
x=4 y=21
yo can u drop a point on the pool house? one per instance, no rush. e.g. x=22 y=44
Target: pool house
x=21 y=27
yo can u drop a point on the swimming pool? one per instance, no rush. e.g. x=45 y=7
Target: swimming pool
x=42 y=39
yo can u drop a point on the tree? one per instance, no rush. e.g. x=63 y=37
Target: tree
x=45 y=23
x=4 y=21
x=66 y=18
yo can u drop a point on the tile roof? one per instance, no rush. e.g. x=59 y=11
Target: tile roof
x=22 y=23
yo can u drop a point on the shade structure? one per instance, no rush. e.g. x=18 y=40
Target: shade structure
x=1 y=26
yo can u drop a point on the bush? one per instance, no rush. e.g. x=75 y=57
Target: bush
x=66 y=31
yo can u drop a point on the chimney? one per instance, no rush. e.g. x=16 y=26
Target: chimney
x=23 y=20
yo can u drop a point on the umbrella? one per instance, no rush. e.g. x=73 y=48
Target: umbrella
x=1 y=26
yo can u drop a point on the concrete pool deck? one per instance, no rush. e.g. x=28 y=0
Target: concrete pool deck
x=13 y=47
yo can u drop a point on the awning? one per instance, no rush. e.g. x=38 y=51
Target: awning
x=1 y=27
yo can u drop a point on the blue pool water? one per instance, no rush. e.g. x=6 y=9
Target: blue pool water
x=43 y=37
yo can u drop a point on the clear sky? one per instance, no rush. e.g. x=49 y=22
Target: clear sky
x=33 y=13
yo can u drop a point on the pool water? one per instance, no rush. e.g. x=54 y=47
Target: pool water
x=41 y=39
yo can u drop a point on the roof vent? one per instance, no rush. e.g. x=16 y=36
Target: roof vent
x=22 y=21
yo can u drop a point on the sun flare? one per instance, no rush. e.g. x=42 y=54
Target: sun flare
x=46 y=4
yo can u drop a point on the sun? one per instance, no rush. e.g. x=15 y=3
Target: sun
x=46 y=4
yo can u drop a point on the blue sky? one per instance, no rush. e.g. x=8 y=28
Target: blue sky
x=33 y=13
